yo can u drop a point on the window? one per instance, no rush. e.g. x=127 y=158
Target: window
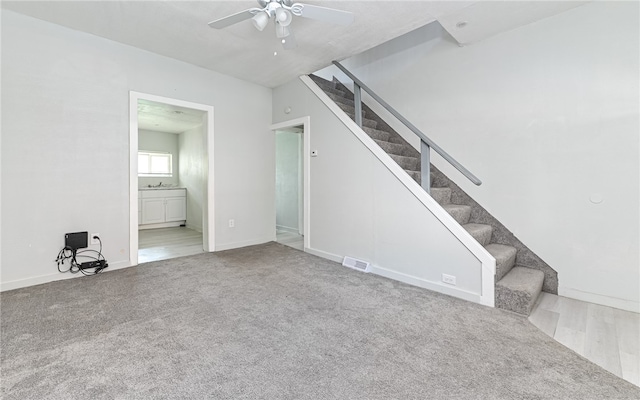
x=154 y=164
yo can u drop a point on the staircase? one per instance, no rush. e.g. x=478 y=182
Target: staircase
x=520 y=274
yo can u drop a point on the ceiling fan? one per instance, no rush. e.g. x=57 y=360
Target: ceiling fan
x=282 y=11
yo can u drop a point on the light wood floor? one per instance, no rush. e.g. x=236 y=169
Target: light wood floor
x=290 y=239
x=166 y=243
x=606 y=336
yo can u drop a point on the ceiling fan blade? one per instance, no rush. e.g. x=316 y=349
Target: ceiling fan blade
x=289 y=42
x=324 y=14
x=233 y=18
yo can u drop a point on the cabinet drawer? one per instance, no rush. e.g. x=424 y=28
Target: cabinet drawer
x=159 y=193
x=175 y=193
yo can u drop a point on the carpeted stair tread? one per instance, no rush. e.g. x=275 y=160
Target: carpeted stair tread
x=480 y=232
x=441 y=195
x=350 y=109
x=330 y=88
x=393 y=148
x=460 y=213
x=410 y=163
x=332 y=91
x=376 y=134
x=415 y=175
x=505 y=258
x=340 y=99
x=369 y=123
x=518 y=290
x=321 y=81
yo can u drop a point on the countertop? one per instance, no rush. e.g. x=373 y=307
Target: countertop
x=161 y=188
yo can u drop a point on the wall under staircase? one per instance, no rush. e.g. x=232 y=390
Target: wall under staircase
x=363 y=205
x=520 y=274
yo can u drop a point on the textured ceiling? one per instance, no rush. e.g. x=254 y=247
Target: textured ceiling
x=178 y=29
x=161 y=117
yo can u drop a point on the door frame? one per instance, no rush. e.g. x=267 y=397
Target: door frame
x=306 y=143
x=208 y=212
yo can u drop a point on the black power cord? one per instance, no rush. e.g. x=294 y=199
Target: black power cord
x=96 y=264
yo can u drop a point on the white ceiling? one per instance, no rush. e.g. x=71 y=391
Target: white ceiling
x=161 y=117
x=179 y=29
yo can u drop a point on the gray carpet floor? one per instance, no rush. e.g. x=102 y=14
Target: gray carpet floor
x=270 y=322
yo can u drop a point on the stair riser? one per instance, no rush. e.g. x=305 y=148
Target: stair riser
x=341 y=99
x=415 y=175
x=394 y=148
x=336 y=92
x=441 y=195
x=350 y=109
x=482 y=235
x=377 y=135
x=332 y=91
x=518 y=290
x=460 y=214
x=369 y=123
x=409 y=163
x=505 y=258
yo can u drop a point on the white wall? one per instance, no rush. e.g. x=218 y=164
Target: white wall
x=358 y=208
x=193 y=174
x=547 y=116
x=65 y=144
x=287 y=179
x=161 y=142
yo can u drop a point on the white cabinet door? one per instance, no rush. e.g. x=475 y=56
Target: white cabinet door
x=175 y=209
x=152 y=211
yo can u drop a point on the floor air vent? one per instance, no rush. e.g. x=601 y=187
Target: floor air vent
x=356 y=264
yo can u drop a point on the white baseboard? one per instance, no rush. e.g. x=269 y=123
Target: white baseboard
x=408 y=279
x=57 y=276
x=245 y=243
x=324 y=254
x=622 y=304
x=426 y=284
x=162 y=225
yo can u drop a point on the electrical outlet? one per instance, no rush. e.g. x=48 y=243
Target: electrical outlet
x=232 y=223
x=450 y=279
x=95 y=241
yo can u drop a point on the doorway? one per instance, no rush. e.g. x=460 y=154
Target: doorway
x=171 y=178
x=292 y=183
x=289 y=187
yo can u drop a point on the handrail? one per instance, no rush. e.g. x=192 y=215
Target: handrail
x=426 y=142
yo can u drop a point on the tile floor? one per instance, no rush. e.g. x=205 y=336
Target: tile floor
x=606 y=336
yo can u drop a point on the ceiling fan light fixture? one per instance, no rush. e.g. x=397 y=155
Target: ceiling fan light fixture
x=281 y=30
x=260 y=20
x=283 y=16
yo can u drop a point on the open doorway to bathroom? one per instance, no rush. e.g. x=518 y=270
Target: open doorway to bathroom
x=171 y=178
x=289 y=187
x=292 y=182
